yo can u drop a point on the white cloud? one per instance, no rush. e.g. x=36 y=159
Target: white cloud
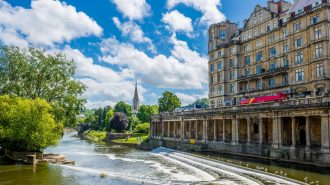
x=187 y=99
x=184 y=69
x=134 y=32
x=46 y=23
x=133 y=9
x=104 y=85
x=177 y=21
x=209 y=8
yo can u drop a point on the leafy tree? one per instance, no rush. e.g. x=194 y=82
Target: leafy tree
x=31 y=73
x=119 y=122
x=27 y=124
x=142 y=128
x=145 y=111
x=90 y=118
x=168 y=102
x=155 y=109
x=124 y=107
x=201 y=103
x=109 y=115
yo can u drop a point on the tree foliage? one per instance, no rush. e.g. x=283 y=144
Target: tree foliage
x=168 y=102
x=31 y=73
x=201 y=103
x=142 y=128
x=145 y=111
x=124 y=107
x=27 y=125
x=119 y=122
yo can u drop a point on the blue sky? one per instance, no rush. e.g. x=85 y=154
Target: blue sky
x=162 y=44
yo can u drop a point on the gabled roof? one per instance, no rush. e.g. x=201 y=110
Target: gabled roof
x=301 y=4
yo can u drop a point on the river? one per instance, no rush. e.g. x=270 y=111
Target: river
x=124 y=166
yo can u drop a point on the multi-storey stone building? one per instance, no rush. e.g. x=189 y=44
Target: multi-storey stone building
x=284 y=48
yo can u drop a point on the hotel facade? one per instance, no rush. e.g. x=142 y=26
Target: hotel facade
x=283 y=48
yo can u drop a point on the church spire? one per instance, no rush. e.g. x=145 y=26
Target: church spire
x=135 y=106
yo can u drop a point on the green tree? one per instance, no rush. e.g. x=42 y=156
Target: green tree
x=120 y=122
x=201 y=103
x=155 y=109
x=145 y=112
x=109 y=115
x=124 y=107
x=31 y=73
x=168 y=102
x=27 y=125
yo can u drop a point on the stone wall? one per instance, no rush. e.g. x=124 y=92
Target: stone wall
x=113 y=136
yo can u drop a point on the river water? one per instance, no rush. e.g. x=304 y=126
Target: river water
x=124 y=166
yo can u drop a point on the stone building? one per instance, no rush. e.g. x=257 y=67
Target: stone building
x=284 y=48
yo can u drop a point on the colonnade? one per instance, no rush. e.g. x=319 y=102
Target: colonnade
x=277 y=132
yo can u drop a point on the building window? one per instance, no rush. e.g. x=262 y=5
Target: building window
x=219 y=53
x=232 y=63
x=272 y=52
x=298 y=41
x=271 y=82
x=259 y=56
x=285 y=47
x=219 y=77
x=258 y=85
x=211 y=79
x=297 y=26
x=247 y=72
x=233 y=50
x=285 y=79
x=315 y=19
x=285 y=61
x=232 y=88
x=272 y=66
x=268 y=28
x=299 y=74
x=299 y=57
x=318 y=51
x=317 y=33
x=212 y=57
x=247 y=60
x=258 y=43
x=231 y=75
x=285 y=33
x=212 y=67
x=259 y=69
x=271 y=38
x=319 y=70
x=222 y=34
x=211 y=90
x=219 y=65
x=255 y=32
x=219 y=89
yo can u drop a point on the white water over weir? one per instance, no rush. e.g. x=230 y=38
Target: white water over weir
x=214 y=171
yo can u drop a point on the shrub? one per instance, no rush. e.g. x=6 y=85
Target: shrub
x=142 y=128
x=119 y=122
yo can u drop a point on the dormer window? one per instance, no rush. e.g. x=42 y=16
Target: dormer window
x=223 y=34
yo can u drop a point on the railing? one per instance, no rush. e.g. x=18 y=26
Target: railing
x=308 y=102
x=270 y=71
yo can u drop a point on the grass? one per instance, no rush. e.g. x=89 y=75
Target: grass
x=95 y=135
x=135 y=139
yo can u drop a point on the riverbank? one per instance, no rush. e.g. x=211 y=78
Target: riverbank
x=135 y=139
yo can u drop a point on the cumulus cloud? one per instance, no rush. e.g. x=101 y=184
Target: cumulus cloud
x=177 y=21
x=187 y=99
x=184 y=69
x=133 y=9
x=134 y=32
x=46 y=23
x=104 y=85
x=209 y=9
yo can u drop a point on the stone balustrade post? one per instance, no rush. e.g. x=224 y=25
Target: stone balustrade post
x=325 y=134
x=293 y=125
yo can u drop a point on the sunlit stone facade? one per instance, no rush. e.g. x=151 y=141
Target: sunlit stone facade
x=281 y=48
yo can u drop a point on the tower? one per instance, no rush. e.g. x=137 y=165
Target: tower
x=135 y=106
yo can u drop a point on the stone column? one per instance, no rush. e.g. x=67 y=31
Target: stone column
x=261 y=132
x=152 y=131
x=325 y=133
x=196 y=130
x=233 y=131
x=280 y=130
x=308 y=132
x=189 y=129
x=223 y=130
x=205 y=137
x=248 y=124
x=174 y=130
x=163 y=128
x=182 y=129
x=168 y=129
x=293 y=125
x=275 y=132
x=214 y=130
